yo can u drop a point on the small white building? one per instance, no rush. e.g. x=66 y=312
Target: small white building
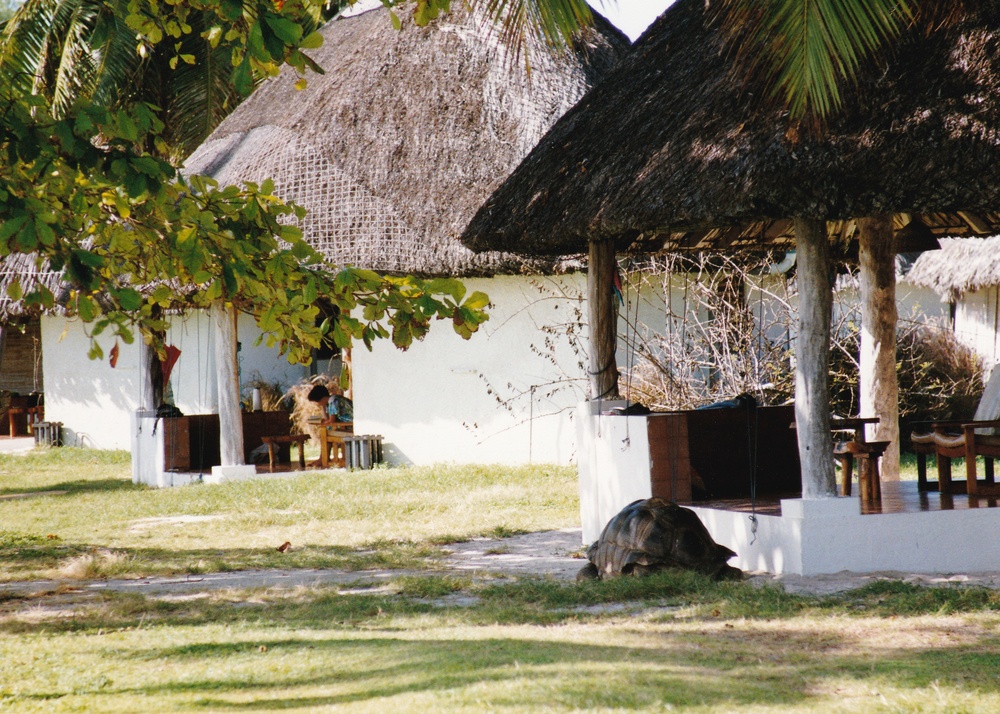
x=965 y=274
x=391 y=151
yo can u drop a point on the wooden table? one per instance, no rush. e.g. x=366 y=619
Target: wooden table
x=272 y=443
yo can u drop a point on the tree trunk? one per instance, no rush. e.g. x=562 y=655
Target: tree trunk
x=812 y=371
x=603 y=319
x=878 y=385
x=230 y=418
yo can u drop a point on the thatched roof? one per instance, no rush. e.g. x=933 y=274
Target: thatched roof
x=962 y=265
x=672 y=142
x=407 y=133
x=30 y=273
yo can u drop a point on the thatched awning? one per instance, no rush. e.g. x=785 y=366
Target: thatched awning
x=407 y=133
x=672 y=146
x=963 y=265
x=31 y=272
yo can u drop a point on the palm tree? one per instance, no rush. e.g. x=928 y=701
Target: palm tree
x=64 y=49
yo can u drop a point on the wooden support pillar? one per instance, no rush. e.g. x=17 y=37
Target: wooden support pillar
x=879 y=387
x=603 y=320
x=812 y=372
x=230 y=418
x=152 y=390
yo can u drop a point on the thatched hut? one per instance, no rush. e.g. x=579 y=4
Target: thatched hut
x=675 y=148
x=966 y=274
x=391 y=151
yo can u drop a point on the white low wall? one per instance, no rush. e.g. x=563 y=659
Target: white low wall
x=830 y=535
x=810 y=537
x=613 y=464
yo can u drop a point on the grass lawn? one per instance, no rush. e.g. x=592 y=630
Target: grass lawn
x=75 y=512
x=673 y=642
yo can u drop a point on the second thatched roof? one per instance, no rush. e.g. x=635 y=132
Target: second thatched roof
x=963 y=265
x=394 y=148
x=674 y=144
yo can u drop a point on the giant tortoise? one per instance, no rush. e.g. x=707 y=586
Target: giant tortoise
x=655 y=534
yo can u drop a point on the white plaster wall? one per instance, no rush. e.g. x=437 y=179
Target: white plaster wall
x=95 y=403
x=614 y=464
x=977 y=322
x=433 y=403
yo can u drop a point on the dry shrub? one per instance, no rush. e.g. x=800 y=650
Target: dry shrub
x=939 y=377
x=302 y=409
x=714 y=349
x=707 y=345
x=273 y=398
x=94 y=565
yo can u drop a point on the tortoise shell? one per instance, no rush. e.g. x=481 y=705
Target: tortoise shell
x=655 y=534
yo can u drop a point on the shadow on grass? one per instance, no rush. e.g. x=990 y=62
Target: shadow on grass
x=735 y=668
x=696 y=642
x=79 y=486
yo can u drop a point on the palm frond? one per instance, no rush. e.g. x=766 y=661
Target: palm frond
x=807 y=48
x=557 y=22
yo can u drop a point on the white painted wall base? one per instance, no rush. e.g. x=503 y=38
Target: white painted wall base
x=234 y=472
x=830 y=535
x=613 y=463
x=147 y=454
x=811 y=537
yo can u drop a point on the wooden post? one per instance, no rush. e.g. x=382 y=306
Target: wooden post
x=230 y=418
x=603 y=319
x=878 y=384
x=152 y=392
x=812 y=372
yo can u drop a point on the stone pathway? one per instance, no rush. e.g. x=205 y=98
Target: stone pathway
x=555 y=554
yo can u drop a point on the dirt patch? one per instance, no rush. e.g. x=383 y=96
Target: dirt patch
x=145 y=524
x=556 y=554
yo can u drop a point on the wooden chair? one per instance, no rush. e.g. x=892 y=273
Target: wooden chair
x=967 y=439
x=331 y=444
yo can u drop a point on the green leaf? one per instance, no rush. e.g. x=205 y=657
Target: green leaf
x=242 y=77
x=129 y=299
x=286 y=30
x=9 y=228
x=255 y=43
x=476 y=301
x=86 y=308
x=311 y=41
x=448 y=286
x=14 y=291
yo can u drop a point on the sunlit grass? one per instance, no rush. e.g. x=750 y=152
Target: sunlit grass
x=79 y=506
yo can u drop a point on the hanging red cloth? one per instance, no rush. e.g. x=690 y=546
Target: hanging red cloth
x=167 y=365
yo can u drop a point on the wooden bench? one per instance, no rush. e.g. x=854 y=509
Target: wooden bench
x=273 y=442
